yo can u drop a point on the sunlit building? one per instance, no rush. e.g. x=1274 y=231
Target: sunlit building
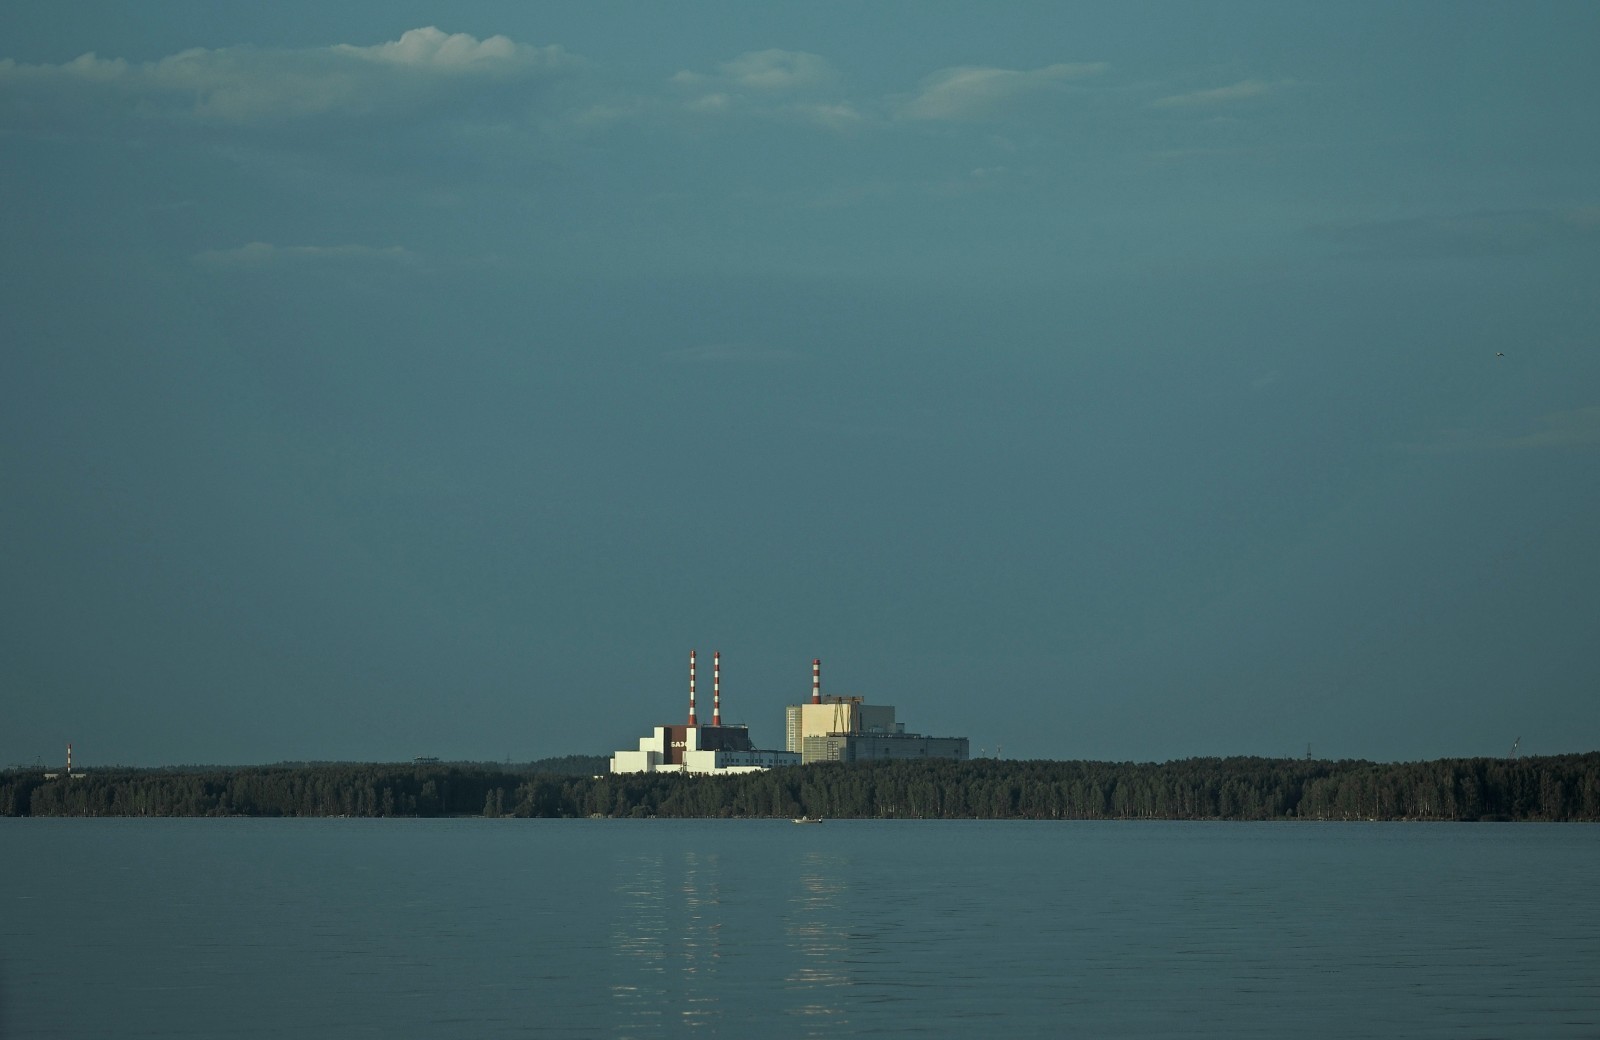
x=848 y=729
x=694 y=748
x=828 y=729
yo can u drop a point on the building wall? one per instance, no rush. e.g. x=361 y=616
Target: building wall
x=822 y=749
x=805 y=723
x=791 y=728
x=876 y=718
x=834 y=715
x=882 y=747
x=701 y=749
x=737 y=761
x=650 y=757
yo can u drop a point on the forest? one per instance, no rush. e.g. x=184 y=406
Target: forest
x=1552 y=788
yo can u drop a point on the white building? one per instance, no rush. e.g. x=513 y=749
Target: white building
x=722 y=750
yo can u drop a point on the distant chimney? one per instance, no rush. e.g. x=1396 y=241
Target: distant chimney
x=693 y=720
x=716 y=688
x=816 y=681
x=69 y=759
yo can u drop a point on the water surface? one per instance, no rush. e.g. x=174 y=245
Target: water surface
x=649 y=928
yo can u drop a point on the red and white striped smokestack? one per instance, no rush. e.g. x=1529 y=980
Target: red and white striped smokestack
x=693 y=721
x=716 y=688
x=69 y=759
x=816 y=680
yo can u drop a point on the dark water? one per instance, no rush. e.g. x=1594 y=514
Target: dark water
x=515 y=928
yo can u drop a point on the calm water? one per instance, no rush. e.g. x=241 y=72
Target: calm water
x=516 y=928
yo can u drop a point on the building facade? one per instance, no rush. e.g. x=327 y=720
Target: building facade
x=835 y=715
x=882 y=747
x=699 y=749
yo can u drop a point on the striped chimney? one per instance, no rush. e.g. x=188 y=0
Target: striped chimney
x=816 y=680
x=693 y=721
x=69 y=759
x=716 y=688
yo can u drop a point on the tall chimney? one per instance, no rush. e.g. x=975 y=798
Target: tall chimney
x=716 y=688
x=69 y=759
x=693 y=721
x=816 y=680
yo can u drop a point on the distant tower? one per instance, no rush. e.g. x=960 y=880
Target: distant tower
x=69 y=759
x=693 y=720
x=816 y=680
x=716 y=688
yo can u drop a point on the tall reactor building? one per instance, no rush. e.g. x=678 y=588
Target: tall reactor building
x=848 y=729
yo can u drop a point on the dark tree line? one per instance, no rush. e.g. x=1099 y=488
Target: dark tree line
x=1565 y=787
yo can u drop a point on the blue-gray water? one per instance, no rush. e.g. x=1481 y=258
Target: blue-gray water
x=516 y=928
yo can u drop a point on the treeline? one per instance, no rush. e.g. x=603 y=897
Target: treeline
x=323 y=789
x=1561 y=788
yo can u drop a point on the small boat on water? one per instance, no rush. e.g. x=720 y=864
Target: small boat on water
x=808 y=819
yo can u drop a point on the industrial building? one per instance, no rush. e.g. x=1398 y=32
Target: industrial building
x=692 y=748
x=828 y=729
x=847 y=729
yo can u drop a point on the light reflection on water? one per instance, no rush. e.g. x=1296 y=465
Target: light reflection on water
x=644 y=929
x=813 y=928
x=666 y=930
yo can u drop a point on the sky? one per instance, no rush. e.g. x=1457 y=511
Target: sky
x=1108 y=381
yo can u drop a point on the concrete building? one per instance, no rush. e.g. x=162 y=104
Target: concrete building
x=836 y=715
x=694 y=748
x=699 y=749
x=881 y=747
x=848 y=729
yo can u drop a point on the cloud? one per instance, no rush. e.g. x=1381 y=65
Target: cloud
x=457 y=52
x=265 y=254
x=247 y=85
x=780 y=70
x=1244 y=90
x=973 y=91
x=837 y=116
x=772 y=84
x=1476 y=234
x=731 y=354
x=1575 y=428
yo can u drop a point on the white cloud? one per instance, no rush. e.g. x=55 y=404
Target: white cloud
x=767 y=71
x=772 y=84
x=836 y=116
x=239 y=85
x=972 y=91
x=1244 y=90
x=430 y=47
x=780 y=70
x=263 y=254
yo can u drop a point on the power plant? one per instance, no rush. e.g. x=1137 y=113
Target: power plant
x=827 y=729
